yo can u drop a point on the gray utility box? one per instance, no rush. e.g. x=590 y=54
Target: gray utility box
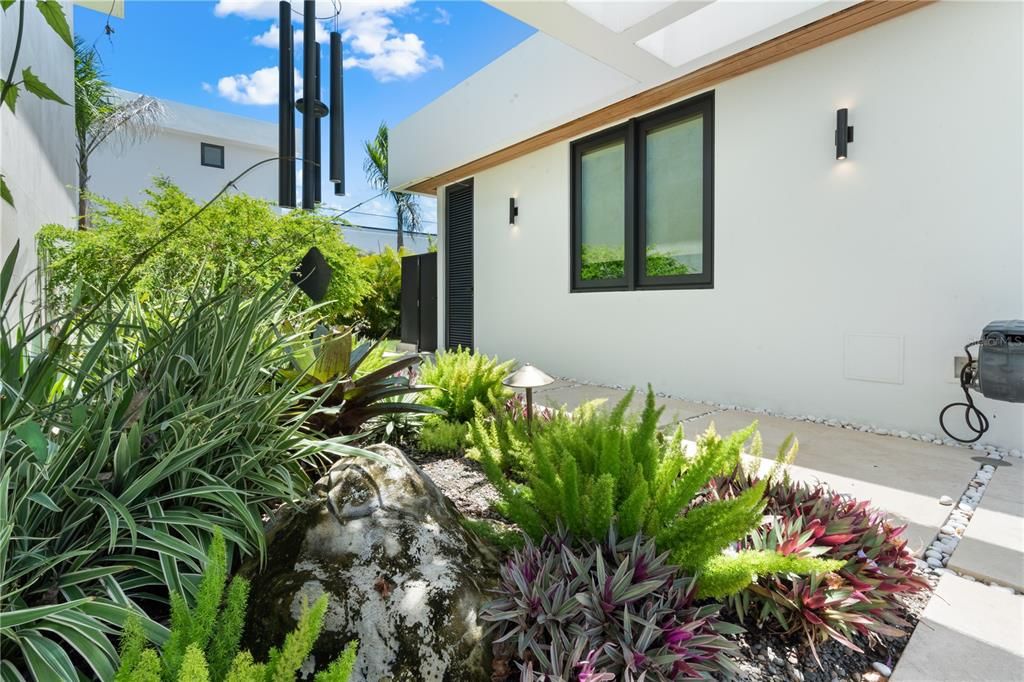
x=1001 y=361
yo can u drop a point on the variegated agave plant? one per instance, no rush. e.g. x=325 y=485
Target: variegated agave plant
x=858 y=599
x=591 y=612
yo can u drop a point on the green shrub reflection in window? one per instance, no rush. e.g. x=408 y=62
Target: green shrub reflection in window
x=608 y=262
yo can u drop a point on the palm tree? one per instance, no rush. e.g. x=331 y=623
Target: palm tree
x=407 y=209
x=101 y=116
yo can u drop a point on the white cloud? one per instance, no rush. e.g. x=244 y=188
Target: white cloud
x=402 y=56
x=271 y=37
x=372 y=41
x=207 y=87
x=260 y=87
x=443 y=16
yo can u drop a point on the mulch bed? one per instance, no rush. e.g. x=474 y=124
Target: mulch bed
x=761 y=656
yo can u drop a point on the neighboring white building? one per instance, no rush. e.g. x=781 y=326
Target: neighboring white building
x=34 y=143
x=200 y=150
x=838 y=288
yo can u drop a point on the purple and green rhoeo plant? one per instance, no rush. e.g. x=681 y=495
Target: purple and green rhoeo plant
x=858 y=599
x=592 y=612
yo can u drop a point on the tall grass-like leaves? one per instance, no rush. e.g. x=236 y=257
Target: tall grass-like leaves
x=121 y=447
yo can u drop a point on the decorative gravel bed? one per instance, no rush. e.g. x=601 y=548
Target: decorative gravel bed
x=761 y=656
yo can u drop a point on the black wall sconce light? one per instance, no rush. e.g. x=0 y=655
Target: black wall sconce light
x=513 y=211
x=844 y=133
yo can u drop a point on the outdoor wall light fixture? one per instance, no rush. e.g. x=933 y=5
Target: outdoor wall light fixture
x=844 y=133
x=528 y=377
x=513 y=211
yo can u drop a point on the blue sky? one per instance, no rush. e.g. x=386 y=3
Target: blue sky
x=399 y=55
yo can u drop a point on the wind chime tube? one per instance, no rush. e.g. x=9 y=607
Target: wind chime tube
x=319 y=131
x=337 y=123
x=286 y=110
x=309 y=120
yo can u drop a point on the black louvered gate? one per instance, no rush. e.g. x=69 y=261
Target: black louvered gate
x=419 y=301
x=459 y=265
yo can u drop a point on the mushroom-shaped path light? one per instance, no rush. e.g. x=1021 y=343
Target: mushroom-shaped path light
x=528 y=377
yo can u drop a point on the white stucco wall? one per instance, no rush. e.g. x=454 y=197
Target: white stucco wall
x=889 y=261
x=37 y=144
x=123 y=173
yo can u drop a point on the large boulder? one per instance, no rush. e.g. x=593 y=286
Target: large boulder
x=405 y=578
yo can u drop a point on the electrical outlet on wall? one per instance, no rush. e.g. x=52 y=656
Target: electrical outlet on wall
x=958 y=365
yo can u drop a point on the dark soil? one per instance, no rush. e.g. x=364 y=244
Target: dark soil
x=761 y=656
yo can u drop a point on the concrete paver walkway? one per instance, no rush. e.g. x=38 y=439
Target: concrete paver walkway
x=993 y=546
x=970 y=630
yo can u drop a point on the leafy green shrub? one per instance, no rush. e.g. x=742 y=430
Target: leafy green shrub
x=377 y=314
x=460 y=378
x=442 y=436
x=127 y=437
x=203 y=645
x=616 y=607
x=238 y=240
x=593 y=468
x=858 y=598
x=608 y=262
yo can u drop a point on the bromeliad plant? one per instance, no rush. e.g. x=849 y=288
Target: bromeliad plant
x=602 y=611
x=204 y=640
x=593 y=468
x=352 y=383
x=860 y=597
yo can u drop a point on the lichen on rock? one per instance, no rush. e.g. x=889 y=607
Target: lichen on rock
x=405 y=577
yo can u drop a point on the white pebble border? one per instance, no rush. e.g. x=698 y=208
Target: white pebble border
x=989 y=450
x=937 y=555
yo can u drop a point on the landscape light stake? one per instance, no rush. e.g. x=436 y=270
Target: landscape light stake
x=529 y=378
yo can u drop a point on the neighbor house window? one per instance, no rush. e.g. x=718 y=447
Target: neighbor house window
x=211 y=155
x=642 y=200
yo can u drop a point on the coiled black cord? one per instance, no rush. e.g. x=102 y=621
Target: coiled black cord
x=975 y=419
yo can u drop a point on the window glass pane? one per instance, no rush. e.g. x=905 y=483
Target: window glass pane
x=674 y=198
x=603 y=215
x=213 y=155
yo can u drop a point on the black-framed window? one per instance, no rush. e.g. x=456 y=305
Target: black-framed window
x=211 y=155
x=643 y=202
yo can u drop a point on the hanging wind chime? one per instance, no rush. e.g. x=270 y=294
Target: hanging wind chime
x=313 y=275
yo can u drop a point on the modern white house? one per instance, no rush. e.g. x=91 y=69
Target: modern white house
x=673 y=193
x=199 y=149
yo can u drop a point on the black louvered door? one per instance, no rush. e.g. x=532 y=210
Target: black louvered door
x=459 y=265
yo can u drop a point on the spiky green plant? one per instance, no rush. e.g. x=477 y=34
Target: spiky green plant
x=581 y=610
x=594 y=468
x=439 y=435
x=462 y=378
x=859 y=598
x=203 y=645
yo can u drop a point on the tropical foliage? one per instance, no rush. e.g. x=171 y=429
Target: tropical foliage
x=614 y=610
x=459 y=379
x=127 y=433
x=438 y=435
x=375 y=165
x=236 y=241
x=101 y=117
x=377 y=314
x=351 y=384
x=861 y=597
x=593 y=468
x=203 y=645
